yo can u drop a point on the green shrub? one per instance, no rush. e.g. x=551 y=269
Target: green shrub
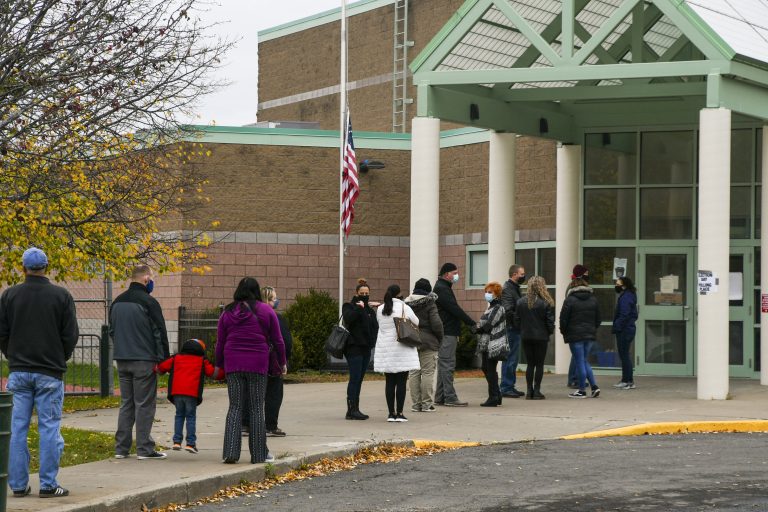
x=465 y=350
x=296 y=362
x=311 y=318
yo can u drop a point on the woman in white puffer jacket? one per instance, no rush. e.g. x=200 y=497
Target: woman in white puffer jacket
x=391 y=357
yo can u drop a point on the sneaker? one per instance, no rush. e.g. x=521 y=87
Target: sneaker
x=191 y=448
x=595 y=392
x=431 y=408
x=176 y=447
x=270 y=458
x=275 y=432
x=578 y=394
x=630 y=385
x=392 y=418
x=22 y=493
x=400 y=418
x=416 y=408
x=620 y=385
x=56 y=492
x=121 y=455
x=457 y=403
x=152 y=456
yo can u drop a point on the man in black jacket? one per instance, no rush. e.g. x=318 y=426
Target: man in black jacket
x=140 y=342
x=38 y=334
x=452 y=315
x=510 y=294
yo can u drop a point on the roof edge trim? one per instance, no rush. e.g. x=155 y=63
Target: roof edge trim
x=442 y=35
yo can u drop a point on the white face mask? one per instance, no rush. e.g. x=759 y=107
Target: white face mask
x=488 y=296
x=456 y=278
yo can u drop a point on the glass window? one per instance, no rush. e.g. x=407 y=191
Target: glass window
x=665 y=279
x=759 y=158
x=741 y=156
x=606 y=300
x=666 y=213
x=527 y=259
x=610 y=159
x=758 y=208
x=667 y=158
x=736 y=343
x=546 y=267
x=757 y=349
x=609 y=214
x=757 y=267
x=600 y=262
x=736 y=266
x=603 y=353
x=741 y=212
x=478 y=268
x=665 y=341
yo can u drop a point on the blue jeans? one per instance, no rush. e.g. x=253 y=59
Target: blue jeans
x=46 y=394
x=572 y=377
x=583 y=369
x=357 y=367
x=623 y=343
x=186 y=409
x=509 y=366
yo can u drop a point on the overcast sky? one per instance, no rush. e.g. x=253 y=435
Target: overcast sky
x=243 y=19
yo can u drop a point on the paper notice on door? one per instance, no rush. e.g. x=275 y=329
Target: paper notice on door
x=707 y=282
x=735 y=286
x=668 y=284
x=619 y=268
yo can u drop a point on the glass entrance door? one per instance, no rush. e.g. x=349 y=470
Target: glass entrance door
x=741 y=357
x=666 y=298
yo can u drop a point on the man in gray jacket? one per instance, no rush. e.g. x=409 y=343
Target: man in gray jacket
x=510 y=294
x=140 y=342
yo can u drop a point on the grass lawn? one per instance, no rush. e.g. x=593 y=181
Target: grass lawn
x=80 y=446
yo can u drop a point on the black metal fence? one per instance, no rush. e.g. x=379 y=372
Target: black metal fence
x=199 y=324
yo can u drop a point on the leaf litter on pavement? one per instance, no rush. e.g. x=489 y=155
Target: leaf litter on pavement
x=382 y=453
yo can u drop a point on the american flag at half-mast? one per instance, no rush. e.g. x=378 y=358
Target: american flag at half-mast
x=350 y=186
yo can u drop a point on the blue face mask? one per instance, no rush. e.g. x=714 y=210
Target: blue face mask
x=456 y=278
x=150 y=286
x=276 y=303
x=488 y=296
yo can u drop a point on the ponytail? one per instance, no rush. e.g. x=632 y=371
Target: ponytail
x=392 y=292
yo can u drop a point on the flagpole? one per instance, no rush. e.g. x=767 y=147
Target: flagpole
x=342 y=140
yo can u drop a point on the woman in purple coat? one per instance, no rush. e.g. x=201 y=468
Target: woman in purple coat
x=248 y=329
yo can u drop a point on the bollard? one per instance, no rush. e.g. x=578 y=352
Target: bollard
x=6 y=408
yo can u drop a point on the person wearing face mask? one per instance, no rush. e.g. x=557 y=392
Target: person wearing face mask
x=510 y=295
x=452 y=316
x=140 y=341
x=422 y=381
x=535 y=317
x=360 y=320
x=492 y=330
x=274 y=394
x=624 y=320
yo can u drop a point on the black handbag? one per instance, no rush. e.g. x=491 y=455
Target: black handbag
x=337 y=340
x=407 y=333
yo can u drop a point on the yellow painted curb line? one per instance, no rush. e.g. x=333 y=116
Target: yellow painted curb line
x=421 y=443
x=677 y=427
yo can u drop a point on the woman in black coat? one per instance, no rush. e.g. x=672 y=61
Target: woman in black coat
x=360 y=320
x=535 y=318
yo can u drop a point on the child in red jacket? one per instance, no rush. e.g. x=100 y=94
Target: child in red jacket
x=188 y=370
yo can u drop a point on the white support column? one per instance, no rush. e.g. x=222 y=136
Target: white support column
x=501 y=205
x=764 y=261
x=425 y=200
x=713 y=251
x=567 y=235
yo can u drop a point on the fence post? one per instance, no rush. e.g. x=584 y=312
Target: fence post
x=105 y=363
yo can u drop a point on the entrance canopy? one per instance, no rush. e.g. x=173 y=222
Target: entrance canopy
x=555 y=68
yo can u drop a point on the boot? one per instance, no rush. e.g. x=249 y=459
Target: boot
x=491 y=402
x=529 y=393
x=349 y=410
x=353 y=413
x=357 y=411
x=537 y=393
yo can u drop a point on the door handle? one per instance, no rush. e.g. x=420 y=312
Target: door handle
x=685 y=308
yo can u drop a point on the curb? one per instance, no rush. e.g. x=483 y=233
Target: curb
x=676 y=427
x=421 y=443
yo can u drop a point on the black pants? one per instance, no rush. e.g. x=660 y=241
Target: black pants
x=491 y=376
x=273 y=400
x=535 y=353
x=246 y=393
x=395 y=387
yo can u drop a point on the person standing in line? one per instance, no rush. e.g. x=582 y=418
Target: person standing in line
x=535 y=318
x=392 y=358
x=510 y=295
x=140 y=342
x=579 y=320
x=38 y=334
x=274 y=394
x=492 y=329
x=360 y=320
x=573 y=380
x=452 y=316
x=624 y=320
x=246 y=332
x=422 y=380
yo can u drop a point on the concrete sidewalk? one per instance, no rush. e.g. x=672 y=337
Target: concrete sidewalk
x=313 y=417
